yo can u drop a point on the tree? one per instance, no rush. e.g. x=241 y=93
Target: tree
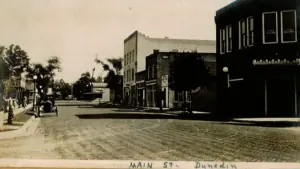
x=82 y=85
x=62 y=87
x=113 y=78
x=17 y=59
x=188 y=72
x=46 y=73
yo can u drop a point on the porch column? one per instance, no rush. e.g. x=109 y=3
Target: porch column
x=296 y=99
x=266 y=98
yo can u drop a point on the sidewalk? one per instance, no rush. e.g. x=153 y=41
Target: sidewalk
x=24 y=124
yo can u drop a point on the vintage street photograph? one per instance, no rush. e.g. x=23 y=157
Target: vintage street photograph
x=178 y=80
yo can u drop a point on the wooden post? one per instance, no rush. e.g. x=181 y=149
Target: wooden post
x=266 y=98
x=296 y=99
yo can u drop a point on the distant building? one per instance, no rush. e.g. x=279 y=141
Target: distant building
x=258 y=58
x=100 y=90
x=138 y=46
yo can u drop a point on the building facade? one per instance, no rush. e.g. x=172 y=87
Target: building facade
x=258 y=58
x=157 y=91
x=137 y=46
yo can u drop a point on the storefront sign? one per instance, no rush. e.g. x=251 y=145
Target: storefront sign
x=164 y=80
x=276 y=62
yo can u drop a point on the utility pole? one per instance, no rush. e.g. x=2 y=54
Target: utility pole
x=93 y=73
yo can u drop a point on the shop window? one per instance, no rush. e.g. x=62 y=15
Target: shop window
x=270 y=27
x=288 y=26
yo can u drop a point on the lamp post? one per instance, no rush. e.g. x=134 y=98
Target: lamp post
x=34 y=86
x=225 y=70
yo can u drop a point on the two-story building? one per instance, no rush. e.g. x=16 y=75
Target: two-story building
x=258 y=58
x=157 y=91
x=138 y=46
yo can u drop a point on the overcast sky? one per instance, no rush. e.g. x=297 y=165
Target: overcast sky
x=78 y=30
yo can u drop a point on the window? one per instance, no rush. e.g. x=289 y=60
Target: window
x=124 y=59
x=149 y=72
x=250 y=31
x=132 y=74
x=124 y=76
x=270 y=27
x=153 y=71
x=288 y=26
x=132 y=56
x=222 y=40
x=229 y=38
x=242 y=34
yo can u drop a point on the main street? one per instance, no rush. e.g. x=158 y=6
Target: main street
x=84 y=132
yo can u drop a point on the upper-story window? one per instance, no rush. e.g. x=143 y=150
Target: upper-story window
x=250 y=31
x=133 y=74
x=270 y=27
x=222 y=41
x=149 y=72
x=288 y=26
x=125 y=76
x=153 y=70
x=242 y=34
x=132 y=56
x=229 y=38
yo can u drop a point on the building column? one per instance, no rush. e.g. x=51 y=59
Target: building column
x=296 y=99
x=266 y=97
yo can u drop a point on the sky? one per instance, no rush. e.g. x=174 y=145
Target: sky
x=79 y=30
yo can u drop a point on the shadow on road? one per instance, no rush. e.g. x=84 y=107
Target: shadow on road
x=144 y=115
x=275 y=124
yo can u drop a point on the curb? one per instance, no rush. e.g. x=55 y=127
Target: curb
x=27 y=129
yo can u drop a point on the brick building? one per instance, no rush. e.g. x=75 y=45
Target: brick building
x=258 y=58
x=137 y=46
x=156 y=90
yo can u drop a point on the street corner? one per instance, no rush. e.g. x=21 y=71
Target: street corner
x=20 y=127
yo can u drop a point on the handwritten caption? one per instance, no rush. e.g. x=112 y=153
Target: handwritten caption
x=170 y=164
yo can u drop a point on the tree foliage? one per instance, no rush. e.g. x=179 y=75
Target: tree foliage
x=188 y=72
x=45 y=74
x=62 y=87
x=82 y=85
x=113 y=78
x=17 y=59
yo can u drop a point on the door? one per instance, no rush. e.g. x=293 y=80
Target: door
x=281 y=97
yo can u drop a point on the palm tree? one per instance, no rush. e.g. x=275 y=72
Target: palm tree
x=113 y=78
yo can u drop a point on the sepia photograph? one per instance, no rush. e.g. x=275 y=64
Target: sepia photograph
x=150 y=84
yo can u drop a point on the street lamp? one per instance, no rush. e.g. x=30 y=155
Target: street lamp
x=34 y=85
x=225 y=70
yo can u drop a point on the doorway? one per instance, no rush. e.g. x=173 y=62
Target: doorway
x=281 y=98
x=165 y=96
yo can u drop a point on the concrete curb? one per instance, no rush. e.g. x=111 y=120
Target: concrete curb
x=27 y=129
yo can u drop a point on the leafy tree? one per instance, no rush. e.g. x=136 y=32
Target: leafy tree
x=17 y=60
x=113 y=77
x=188 y=72
x=62 y=87
x=83 y=85
x=45 y=74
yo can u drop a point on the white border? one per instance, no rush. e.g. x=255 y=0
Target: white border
x=263 y=27
x=125 y=164
x=227 y=38
x=281 y=18
x=221 y=40
x=248 y=31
